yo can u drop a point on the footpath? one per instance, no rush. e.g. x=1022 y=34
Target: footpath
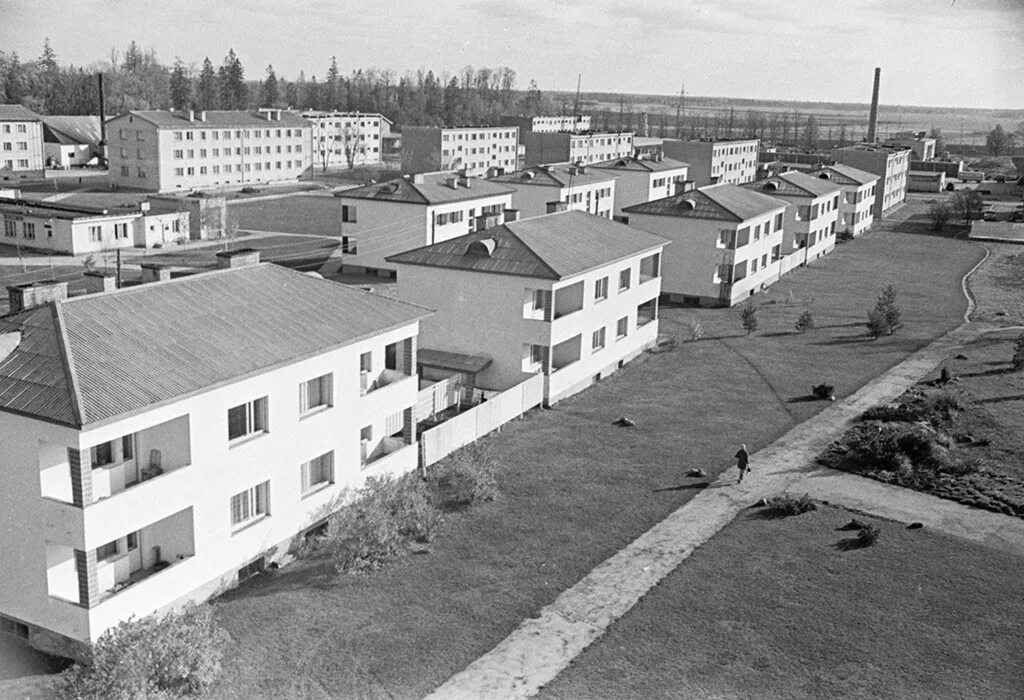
x=540 y=648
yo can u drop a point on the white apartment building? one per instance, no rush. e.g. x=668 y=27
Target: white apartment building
x=163 y=442
x=472 y=150
x=857 y=202
x=163 y=151
x=385 y=218
x=716 y=161
x=726 y=242
x=21 y=143
x=584 y=147
x=548 y=124
x=544 y=189
x=569 y=295
x=340 y=138
x=639 y=180
x=810 y=227
x=890 y=163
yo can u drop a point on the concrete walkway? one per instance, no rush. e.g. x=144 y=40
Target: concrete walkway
x=540 y=648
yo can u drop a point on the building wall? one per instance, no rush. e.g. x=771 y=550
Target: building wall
x=21 y=150
x=583 y=148
x=930 y=182
x=595 y=198
x=547 y=124
x=332 y=130
x=73 y=236
x=892 y=169
x=473 y=149
x=856 y=208
x=713 y=162
x=199 y=494
x=636 y=187
x=67 y=155
x=810 y=227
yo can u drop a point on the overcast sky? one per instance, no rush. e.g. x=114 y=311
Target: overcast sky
x=957 y=53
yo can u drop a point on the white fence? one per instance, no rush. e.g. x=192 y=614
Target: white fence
x=438 y=396
x=467 y=427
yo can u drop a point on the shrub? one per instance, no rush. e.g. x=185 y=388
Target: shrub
x=787 y=504
x=748 y=314
x=177 y=655
x=695 y=329
x=823 y=391
x=884 y=319
x=465 y=477
x=867 y=535
x=1017 y=361
x=805 y=322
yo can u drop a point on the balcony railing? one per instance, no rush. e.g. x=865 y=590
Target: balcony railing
x=387 y=376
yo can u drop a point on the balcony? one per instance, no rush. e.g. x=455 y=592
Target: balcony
x=568 y=300
x=391 y=456
x=566 y=353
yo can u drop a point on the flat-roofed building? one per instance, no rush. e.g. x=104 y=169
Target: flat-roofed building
x=21 y=143
x=639 y=180
x=472 y=150
x=346 y=139
x=716 y=161
x=164 y=151
x=726 y=242
x=544 y=189
x=856 y=205
x=890 y=163
x=548 y=124
x=585 y=147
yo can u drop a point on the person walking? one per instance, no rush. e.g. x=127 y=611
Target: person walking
x=742 y=462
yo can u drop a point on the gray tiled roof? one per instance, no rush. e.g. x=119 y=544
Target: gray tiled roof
x=793 y=184
x=18 y=113
x=72 y=130
x=725 y=202
x=554 y=175
x=553 y=246
x=641 y=165
x=846 y=174
x=433 y=190
x=97 y=357
x=165 y=119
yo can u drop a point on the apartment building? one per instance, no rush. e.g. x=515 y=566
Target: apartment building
x=810 y=227
x=890 y=163
x=726 y=242
x=569 y=295
x=857 y=201
x=547 y=124
x=381 y=219
x=21 y=143
x=639 y=180
x=584 y=147
x=543 y=189
x=714 y=161
x=164 y=151
x=163 y=442
x=473 y=150
x=346 y=139
x=77 y=229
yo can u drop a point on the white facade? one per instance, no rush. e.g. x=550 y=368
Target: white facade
x=336 y=137
x=473 y=150
x=891 y=164
x=716 y=162
x=577 y=147
x=561 y=187
x=644 y=181
x=21 y=143
x=856 y=200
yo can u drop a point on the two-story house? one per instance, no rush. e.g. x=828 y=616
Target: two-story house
x=384 y=218
x=570 y=295
x=543 y=189
x=162 y=442
x=639 y=180
x=726 y=242
x=857 y=202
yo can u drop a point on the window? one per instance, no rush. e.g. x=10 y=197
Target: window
x=247 y=419
x=622 y=327
x=29 y=230
x=597 y=340
x=601 y=290
x=107 y=551
x=95 y=234
x=133 y=541
x=120 y=231
x=348 y=213
x=366 y=362
x=315 y=393
x=10 y=228
x=624 y=279
x=102 y=455
x=318 y=471
x=250 y=504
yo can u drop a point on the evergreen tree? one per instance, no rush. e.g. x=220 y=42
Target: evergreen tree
x=181 y=85
x=269 y=96
x=234 y=93
x=206 y=89
x=330 y=87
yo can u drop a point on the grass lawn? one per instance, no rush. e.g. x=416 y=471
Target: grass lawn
x=999 y=285
x=772 y=608
x=574 y=490
x=312 y=214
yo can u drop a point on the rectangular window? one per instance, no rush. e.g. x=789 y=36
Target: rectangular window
x=315 y=393
x=366 y=362
x=597 y=339
x=348 y=213
x=10 y=228
x=622 y=327
x=624 y=279
x=601 y=289
x=29 y=230
x=120 y=231
x=318 y=471
x=107 y=551
x=102 y=455
x=247 y=419
x=250 y=504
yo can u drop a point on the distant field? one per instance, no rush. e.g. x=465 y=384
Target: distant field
x=317 y=215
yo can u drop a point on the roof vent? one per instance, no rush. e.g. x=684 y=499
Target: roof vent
x=452 y=182
x=824 y=176
x=527 y=175
x=688 y=204
x=28 y=296
x=483 y=248
x=770 y=186
x=242 y=257
x=417 y=179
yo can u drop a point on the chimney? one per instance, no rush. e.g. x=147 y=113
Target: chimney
x=244 y=257
x=191 y=115
x=873 y=118
x=202 y=116
x=417 y=179
x=154 y=272
x=466 y=182
x=28 y=296
x=511 y=215
x=103 y=114
x=556 y=207
x=452 y=182
x=97 y=281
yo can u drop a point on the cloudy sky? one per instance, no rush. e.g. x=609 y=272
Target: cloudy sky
x=965 y=53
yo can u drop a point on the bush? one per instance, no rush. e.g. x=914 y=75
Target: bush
x=791 y=505
x=465 y=477
x=748 y=314
x=695 y=330
x=177 y=655
x=1018 y=352
x=805 y=322
x=823 y=391
x=884 y=319
x=867 y=535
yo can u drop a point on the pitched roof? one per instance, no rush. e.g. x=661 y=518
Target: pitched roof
x=647 y=165
x=725 y=202
x=55 y=210
x=434 y=189
x=93 y=358
x=793 y=184
x=553 y=175
x=18 y=113
x=846 y=174
x=165 y=119
x=70 y=130
x=553 y=246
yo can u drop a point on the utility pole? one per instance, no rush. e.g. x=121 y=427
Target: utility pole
x=576 y=105
x=680 y=108
x=118 y=268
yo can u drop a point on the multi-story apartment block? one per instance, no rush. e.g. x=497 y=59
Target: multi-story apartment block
x=474 y=150
x=726 y=242
x=890 y=163
x=162 y=151
x=570 y=295
x=856 y=204
x=381 y=219
x=639 y=180
x=715 y=161
x=21 y=143
x=810 y=227
x=583 y=147
x=543 y=189
x=547 y=124
x=346 y=139
x=162 y=442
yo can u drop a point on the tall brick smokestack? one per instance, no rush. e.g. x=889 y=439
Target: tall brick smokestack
x=103 y=119
x=873 y=118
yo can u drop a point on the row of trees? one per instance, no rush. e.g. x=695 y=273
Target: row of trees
x=999 y=141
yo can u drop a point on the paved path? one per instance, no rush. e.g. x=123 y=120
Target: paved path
x=542 y=647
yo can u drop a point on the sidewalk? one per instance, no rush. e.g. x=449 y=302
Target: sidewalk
x=540 y=648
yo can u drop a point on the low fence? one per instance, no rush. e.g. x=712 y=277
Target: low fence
x=467 y=427
x=438 y=396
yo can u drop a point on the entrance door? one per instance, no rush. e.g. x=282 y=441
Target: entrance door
x=131 y=465
x=134 y=552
